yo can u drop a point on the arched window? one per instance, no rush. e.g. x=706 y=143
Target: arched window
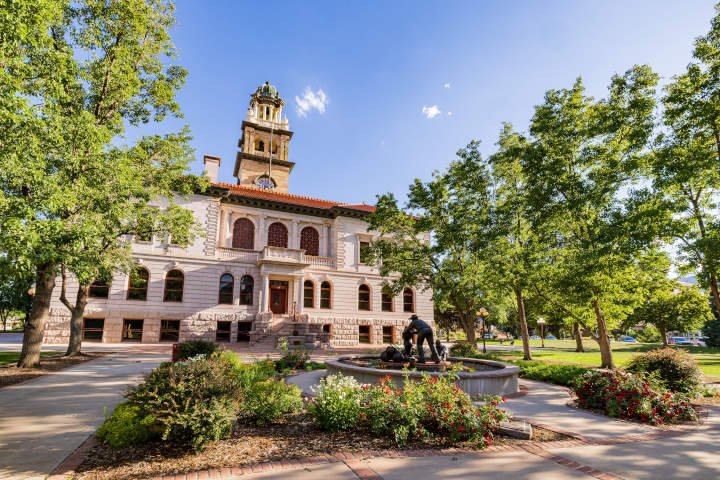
x=309 y=294
x=246 y=290
x=310 y=241
x=325 y=295
x=386 y=301
x=408 y=300
x=174 y=282
x=243 y=234
x=138 y=284
x=277 y=235
x=227 y=284
x=99 y=289
x=260 y=146
x=363 y=297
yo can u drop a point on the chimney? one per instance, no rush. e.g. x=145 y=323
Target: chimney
x=212 y=165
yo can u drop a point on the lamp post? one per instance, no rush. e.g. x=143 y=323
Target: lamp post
x=481 y=315
x=541 y=324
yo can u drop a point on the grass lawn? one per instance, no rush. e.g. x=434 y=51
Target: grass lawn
x=12 y=357
x=563 y=351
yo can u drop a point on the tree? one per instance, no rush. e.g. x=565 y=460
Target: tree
x=584 y=153
x=674 y=308
x=686 y=169
x=433 y=242
x=14 y=297
x=73 y=77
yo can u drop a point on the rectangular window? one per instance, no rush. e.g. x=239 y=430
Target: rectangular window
x=169 y=330
x=99 y=289
x=222 y=333
x=327 y=328
x=93 y=329
x=243 y=334
x=387 y=302
x=325 y=295
x=132 y=330
x=364 y=333
x=387 y=334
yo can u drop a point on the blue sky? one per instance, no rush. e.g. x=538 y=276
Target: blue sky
x=379 y=63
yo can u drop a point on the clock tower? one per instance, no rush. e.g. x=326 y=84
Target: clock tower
x=262 y=159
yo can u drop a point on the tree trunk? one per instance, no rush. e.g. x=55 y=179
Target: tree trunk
x=76 y=321
x=34 y=330
x=715 y=294
x=663 y=334
x=578 y=338
x=606 y=358
x=523 y=324
x=468 y=325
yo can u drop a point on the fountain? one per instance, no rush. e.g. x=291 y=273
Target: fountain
x=474 y=376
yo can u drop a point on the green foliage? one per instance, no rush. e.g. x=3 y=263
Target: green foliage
x=266 y=401
x=633 y=397
x=126 y=426
x=191 y=402
x=676 y=369
x=464 y=350
x=649 y=334
x=292 y=358
x=337 y=403
x=684 y=309
x=552 y=373
x=193 y=348
x=711 y=331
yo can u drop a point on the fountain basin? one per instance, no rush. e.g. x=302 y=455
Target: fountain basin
x=492 y=377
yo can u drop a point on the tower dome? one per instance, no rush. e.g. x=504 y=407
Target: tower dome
x=267 y=90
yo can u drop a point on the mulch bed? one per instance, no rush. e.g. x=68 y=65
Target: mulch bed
x=296 y=437
x=11 y=375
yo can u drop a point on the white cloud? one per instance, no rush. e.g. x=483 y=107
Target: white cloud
x=310 y=100
x=449 y=114
x=447 y=85
x=431 y=112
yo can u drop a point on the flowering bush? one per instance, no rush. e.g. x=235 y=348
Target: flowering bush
x=269 y=400
x=632 y=396
x=337 y=402
x=431 y=407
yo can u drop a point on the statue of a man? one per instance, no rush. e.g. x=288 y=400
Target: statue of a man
x=424 y=333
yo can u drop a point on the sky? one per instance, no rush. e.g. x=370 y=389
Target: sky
x=380 y=93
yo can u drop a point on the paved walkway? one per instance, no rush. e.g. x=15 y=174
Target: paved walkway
x=43 y=420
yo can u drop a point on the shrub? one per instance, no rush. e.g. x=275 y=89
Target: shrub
x=126 y=426
x=267 y=401
x=194 y=348
x=248 y=374
x=192 y=402
x=291 y=359
x=632 y=396
x=548 y=372
x=464 y=350
x=711 y=331
x=676 y=368
x=433 y=406
x=337 y=402
x=649 y=334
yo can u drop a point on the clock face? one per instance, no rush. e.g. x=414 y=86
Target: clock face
x=265 y=182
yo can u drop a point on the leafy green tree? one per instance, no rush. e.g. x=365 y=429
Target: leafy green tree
x=74 y=75
x=686 y=168
x=585 y=151
x=14 y=287
x=433 y=241
x=682 y=309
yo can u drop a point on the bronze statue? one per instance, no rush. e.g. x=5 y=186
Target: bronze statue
x=424 y=333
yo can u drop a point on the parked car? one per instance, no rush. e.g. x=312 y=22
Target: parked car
x=534 y=337
x=627 y=339
x=550 y=337
x=679 y=341
x=700 y=342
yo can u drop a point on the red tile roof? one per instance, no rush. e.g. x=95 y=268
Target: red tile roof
x=291 y=198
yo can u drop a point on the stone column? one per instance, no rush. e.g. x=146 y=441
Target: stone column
x=294 y=240
x=229 y=232
x=265 y=294
x=300 y=294
x=261 y=233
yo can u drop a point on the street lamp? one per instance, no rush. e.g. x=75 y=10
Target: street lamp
x=541 y=324
x=481 y=315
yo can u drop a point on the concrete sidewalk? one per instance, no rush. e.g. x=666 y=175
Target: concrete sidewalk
x=43 y=420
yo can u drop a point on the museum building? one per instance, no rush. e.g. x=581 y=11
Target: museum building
x=271 y=264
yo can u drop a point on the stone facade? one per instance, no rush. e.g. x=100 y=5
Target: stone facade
x=309 y=299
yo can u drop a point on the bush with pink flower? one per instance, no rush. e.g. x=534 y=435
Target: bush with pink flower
x=633 y=397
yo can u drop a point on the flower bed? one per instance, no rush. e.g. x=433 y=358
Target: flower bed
x=632 y=397
x=426 y=409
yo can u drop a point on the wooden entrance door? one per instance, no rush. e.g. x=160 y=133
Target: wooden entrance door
x=278 y=297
